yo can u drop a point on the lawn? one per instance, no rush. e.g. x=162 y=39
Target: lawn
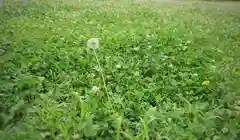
x=163 y=70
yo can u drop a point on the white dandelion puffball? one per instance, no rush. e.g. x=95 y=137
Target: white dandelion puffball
x=93 y=43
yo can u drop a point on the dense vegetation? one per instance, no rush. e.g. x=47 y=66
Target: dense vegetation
x=172 y=71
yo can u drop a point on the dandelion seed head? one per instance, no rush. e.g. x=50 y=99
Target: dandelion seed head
x=93 y=43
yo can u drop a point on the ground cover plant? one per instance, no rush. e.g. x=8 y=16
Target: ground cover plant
x=163 y=70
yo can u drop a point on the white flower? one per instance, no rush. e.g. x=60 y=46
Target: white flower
x=93 y=43
x=95 y=89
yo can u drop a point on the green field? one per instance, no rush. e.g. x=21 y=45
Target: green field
x=165 y=70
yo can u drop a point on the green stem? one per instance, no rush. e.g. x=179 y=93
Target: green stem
x=103 y=78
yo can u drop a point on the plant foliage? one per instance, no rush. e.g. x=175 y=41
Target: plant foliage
x=171 y=71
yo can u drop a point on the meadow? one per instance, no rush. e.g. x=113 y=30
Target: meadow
x=164 y=70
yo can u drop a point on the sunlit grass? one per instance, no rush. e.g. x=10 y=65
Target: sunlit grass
x=163 y=70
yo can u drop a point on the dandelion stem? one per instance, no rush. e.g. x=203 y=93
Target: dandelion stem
x=103 y=78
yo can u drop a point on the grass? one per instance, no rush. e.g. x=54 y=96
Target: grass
x=171 y=69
